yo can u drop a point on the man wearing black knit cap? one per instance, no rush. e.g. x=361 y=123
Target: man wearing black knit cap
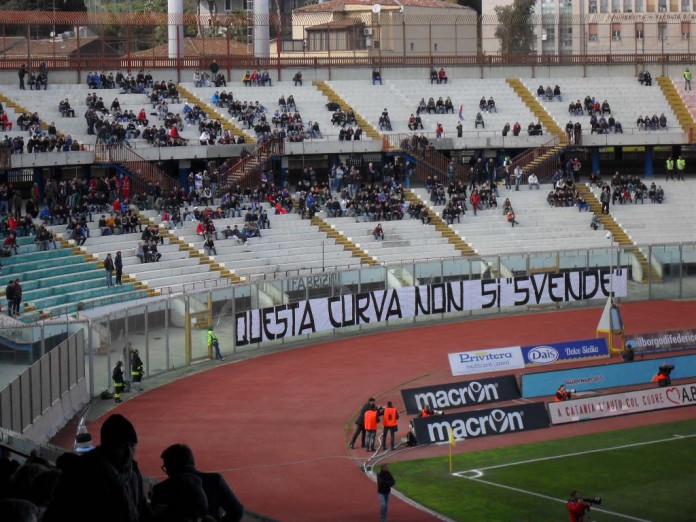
x=104 y=484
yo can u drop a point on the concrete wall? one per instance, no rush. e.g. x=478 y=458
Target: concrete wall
x=600 y=70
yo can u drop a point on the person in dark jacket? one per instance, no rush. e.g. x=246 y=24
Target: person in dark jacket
x=179 y=464
x=119 y=384
x=109 y=269
x=104 y=484
x=118 y=265
x=17 y=300
x=137 y=370
x=385 y=481
x=360 y=423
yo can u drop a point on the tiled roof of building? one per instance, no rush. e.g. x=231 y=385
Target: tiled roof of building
x=338 y=5
x=198 y=47
x=17 y=46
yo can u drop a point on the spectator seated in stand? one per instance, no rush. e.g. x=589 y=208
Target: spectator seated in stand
x=605 y=107
x=663 y=121
x=575 y=109
x=490 y=106
x=65 y=109
x=297 y=78
x=384 y=121
x=534 y=129
x=5 y=122
x=441 y=76
x=479 y=121
x=433 y=76
x=533 y=181
x=415 y=122
x=557 y=93
x=378 y=232
x=548 y=93
x=644 y=78
x=376 y=76
x=541 y=91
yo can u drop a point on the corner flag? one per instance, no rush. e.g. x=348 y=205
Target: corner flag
x=452 y=443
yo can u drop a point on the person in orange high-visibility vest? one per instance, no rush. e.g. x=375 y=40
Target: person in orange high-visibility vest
x=562 y=394
x=370 y=422
x=390 y=418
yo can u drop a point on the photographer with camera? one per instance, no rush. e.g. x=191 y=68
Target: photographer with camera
x=563 y=394
x=577 y=506
x=662 y=378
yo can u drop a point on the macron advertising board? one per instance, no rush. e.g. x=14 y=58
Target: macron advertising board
x=543 y=354
x=622 y=403
x=605 y=376
x=481 y=423
x=461 y=394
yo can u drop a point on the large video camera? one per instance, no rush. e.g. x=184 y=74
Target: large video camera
x=593 y=500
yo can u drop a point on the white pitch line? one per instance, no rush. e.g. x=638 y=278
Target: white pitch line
x=620 y=515
x=579 y=453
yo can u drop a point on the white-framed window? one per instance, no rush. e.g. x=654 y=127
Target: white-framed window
x=662 y=31
x=639 y=30
x=616 y=31
x=593 y=33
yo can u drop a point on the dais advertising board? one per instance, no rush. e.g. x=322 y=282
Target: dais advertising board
x=543 y=354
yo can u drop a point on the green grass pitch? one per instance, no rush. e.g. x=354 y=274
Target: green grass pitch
x=642 y=474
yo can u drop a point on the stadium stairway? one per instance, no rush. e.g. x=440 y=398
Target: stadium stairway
x=546 y=120
x=620 y=236
x=63 y=280
x=226 y=124
x=196 y=254
x=347 y=244
x=678 y=106
x=334 y=97
x=235 y=171
x=18 y=109
x=465 y=248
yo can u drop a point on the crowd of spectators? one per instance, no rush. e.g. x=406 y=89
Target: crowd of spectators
x=652 y=123
x=645 y=78
x=627 y=189
x=435 y=107
x=549 y=94
x=117 y=126
x=438 y=76
x=256 y=78
x=345 y=120
x=104 y=483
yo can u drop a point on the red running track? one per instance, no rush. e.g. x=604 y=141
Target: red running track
x=275 y=425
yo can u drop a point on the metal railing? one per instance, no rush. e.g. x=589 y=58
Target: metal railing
x=145 y=173
x=246 y=172
x=546 y=165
